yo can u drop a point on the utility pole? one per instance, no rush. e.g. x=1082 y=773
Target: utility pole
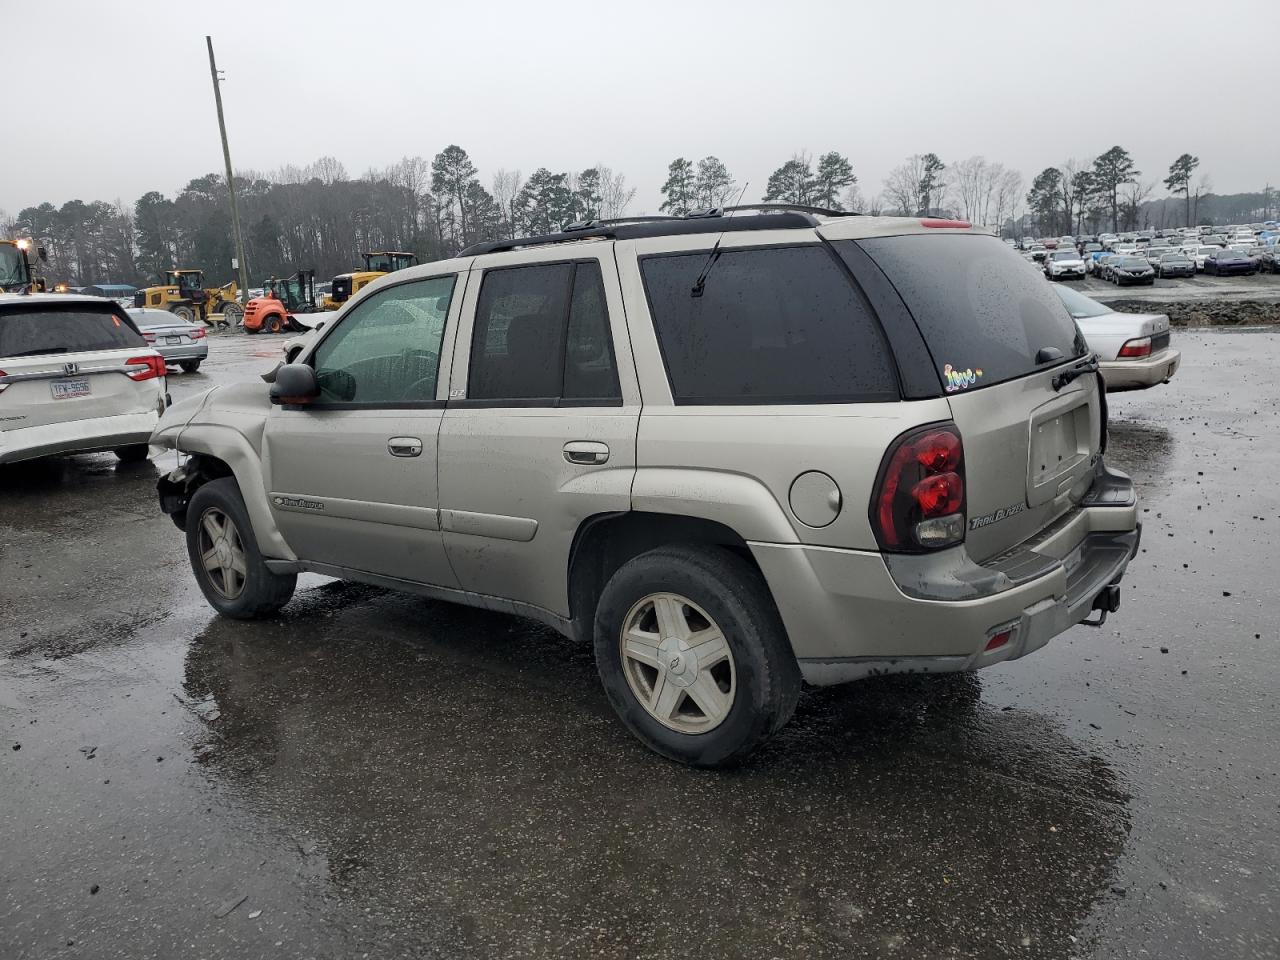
x=231 y=183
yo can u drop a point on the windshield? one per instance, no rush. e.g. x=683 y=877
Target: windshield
x=1065 y=255
x=1170 y=257
x=13 y=268
x=1133 y=263
x=1078 y=305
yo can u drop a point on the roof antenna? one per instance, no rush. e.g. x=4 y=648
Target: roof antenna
x=701 y=283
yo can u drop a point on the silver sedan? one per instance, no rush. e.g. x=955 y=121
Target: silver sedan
x=181 y=343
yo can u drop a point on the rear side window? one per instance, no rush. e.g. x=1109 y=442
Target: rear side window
x=43 y=331
x=542 y=333
x=984 y=313
x=774 y=325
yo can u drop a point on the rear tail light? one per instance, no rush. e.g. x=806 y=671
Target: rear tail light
x=919 y=500
x=197 y=333
x=149 y=337
x=3 y=386
x=1137 y=348
x=145 y=368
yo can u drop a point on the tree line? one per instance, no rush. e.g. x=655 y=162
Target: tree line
x=317 y=216
x=1109 y=191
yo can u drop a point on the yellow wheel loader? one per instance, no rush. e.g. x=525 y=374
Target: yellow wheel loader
x=184 y=294
x=377 y=264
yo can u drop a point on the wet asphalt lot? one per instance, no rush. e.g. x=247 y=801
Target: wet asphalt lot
x=386 y=776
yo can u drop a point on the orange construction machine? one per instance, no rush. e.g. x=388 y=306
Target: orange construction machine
x=281 y=301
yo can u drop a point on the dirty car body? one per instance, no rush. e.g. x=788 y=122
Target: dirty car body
x=734 y=452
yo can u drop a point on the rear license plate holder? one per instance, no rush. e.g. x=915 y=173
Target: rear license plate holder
x=69 y=389
x=172 y=341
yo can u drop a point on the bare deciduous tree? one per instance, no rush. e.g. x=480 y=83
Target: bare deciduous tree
x=615 y=195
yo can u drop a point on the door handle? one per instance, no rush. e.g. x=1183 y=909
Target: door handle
x=586 y=452
x=404 y=447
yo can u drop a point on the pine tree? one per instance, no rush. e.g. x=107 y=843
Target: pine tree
x=714 y=185
x=791 y=183
x=834 y=177
x=678 y=191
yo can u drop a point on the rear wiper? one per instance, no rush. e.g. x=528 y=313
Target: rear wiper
x=32 y=353
x=1078 y=369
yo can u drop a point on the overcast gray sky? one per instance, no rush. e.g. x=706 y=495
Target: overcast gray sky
x=121 y=99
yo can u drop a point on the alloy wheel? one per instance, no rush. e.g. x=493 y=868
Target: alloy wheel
x=678 y=663
x=222 y=553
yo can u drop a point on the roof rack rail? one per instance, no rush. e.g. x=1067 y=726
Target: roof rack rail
x=633 y=228
x=579 y=225
x=798 y=207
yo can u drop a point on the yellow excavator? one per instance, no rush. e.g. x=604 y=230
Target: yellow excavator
x=184 y=294
x=377 y=264
x=16 y=275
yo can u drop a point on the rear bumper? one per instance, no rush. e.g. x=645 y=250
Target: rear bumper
x=851 y=614
x=1147 y=372
x=187 y=351
x=77 y=436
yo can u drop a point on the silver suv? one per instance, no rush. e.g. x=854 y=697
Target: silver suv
x=736 y=451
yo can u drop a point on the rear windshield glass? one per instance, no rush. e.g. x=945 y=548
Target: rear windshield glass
x=772 y=325
x=1078 y=305
x=983 y=314
x=40 y=331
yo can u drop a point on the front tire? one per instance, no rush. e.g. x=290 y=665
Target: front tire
x=693 y=655
x=184 y=313
x=233 y=314
x=225 y=557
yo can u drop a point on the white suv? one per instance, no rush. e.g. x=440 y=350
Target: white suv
x=734 y=452
x=75 y=376
x=1064 y=264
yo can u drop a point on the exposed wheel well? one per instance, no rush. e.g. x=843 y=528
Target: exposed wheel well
x=605 y=542
x=175 y=495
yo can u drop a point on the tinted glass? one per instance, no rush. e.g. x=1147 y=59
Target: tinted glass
x=517 y=348
x=589 y=370
x=41 y=331
x=977 y=305
x=1131 y=263
x=773 y=325
x=387 y=349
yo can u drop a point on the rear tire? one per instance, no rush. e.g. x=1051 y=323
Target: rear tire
x=189 y=366
x=135 y=453
x=225 y=557
x=274 y=325
x=749 y=677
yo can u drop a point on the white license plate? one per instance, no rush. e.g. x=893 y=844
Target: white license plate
x=66 y=389
x=172 y=340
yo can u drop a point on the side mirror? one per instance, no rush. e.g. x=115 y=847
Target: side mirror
x=295 y=385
